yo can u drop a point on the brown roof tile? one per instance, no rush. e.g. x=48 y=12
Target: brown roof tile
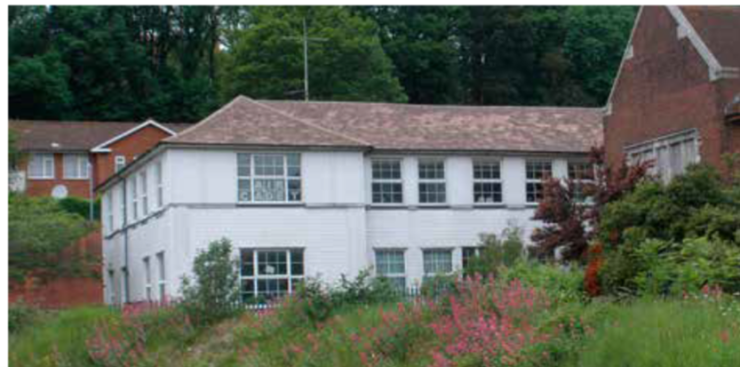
x=719 y=27
x=71 y=135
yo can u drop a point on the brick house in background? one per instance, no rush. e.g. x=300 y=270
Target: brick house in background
x=69 y=158
x=676 y=98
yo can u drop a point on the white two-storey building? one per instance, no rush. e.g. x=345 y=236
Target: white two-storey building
x=325 y=189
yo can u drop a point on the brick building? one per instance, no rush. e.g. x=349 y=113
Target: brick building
x=68 y=158
x=676 y=98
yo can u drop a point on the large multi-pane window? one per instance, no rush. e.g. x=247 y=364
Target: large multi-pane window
x=162 y=282
x=670 y=154
x=487 y=186
x=537 y=172
x=391 y=265
x=269 y=178
x=268 y=274
x=160 y=183
x=144 y=192
x=437 y=261
x=41 y=166
x=76 y=167
x=432 y=187
x=387 y=183
x=148 y=278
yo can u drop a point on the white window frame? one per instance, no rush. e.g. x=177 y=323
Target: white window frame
x=492 y=181
x=109 y=212
x=580 y=180
x=431 y=252
x=285 y=177
x=381 y=181
x=143 y=177
x=650 y=150
x=80 y=162
x=111 y=287
x=162 y=277
x=160 y=184
x=122 y=208
x=42 y=159
x=123 y=282
x=534 y=181
x=292 y=279
x=465 y=260
x=434 y=181
x=134 y=197
x=148 y=278
x=391 y=276
x=119 y=162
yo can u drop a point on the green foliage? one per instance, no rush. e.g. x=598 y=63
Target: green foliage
x=496 y=253
x=22 y=316
x=363 y=289
x=38 y=230
x=665 y=333
x=349 y=66
x=81 y=207
x=213 y=293
x=562 y=283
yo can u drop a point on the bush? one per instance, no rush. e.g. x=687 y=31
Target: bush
x=562 y=283
x=75 y=205
x=213 y=294
x=363 y=289
x=21 y=316
x=496 y=253
x=666 y=333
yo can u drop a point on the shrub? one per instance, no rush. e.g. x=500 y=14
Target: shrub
x=496 y=253
x=75 y=205
x=213 y=294
x=21 y=316
x=363 y=289
x=562 y=283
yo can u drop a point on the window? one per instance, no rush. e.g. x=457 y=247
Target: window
x=487 y=187
x=109 y=212
x=124 y=285
x=269 y=178
x=76 y=167
x=391 y=264
x=122 y=207
x=160 y=184
x=670 y=154
x=537 y=172
x=437 y=262
x=268 y=274
x=134 y=198
x=111 y=286
x=144 y=193
x=120 y=162
x=148 y=279
x=581 y=173
x=41 y=166
x=468 y=253
x=162 y=283
x=432 y=187
x=387 y=185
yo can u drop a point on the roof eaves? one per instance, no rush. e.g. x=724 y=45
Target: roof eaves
x=101 y=148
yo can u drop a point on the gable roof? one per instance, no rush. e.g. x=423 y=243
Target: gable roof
x=387 y=126
x=45 y=135
x=719 y=28
x=101 y=148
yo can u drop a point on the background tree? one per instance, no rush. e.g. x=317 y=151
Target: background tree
x=349 y=66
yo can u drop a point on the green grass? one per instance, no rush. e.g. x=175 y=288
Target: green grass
x=659 y=333
x=56 y=338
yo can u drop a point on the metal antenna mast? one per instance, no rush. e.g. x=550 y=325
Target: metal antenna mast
x=305 y=40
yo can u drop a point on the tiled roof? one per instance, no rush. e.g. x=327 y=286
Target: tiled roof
x=72 y=135
x=719 y=28
x=398 y=126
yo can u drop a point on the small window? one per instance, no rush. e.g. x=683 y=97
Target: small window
x=391 y=264
x=487 y=186
x=432 y=187
x=162 y=283
x=124 y=285
x=120 y=162
x=437 y=262
x=111 y=287
x=109 y=212
x=76 y=167
x=269 y=274
x=144 y=192
x=148 y=279
x=41 y=166
x=537 y=172
x=122 y=206
x=468 y=253
x=387 y=184
x=160 y=184
x=581 y=174
x=134 y=198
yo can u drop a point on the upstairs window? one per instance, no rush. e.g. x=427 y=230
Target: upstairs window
x=537 y=172
x=432 y=187
x=269 y=178
x=120 y=162
x=160 y=184
x=76 y=167
x=41 y=166
x=122 y=206
x=109 y=212
x=387 y=184
x=144 y=193
x=487 y=185
x=134 y=198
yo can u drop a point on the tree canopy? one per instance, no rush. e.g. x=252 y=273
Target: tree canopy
x=179 y=63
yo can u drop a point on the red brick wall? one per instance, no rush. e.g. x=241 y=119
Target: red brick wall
x=133 y=145
x=664 y=88
x=78 y=188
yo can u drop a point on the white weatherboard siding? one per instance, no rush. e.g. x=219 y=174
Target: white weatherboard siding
x=336 y=223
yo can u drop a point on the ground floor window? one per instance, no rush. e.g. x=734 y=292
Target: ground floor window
x=391 y=264
x=437 y=262
x=162 y=283
x=468 y=254
x=267 y=274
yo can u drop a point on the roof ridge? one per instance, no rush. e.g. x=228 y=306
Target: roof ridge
x=206 y=120
x=417 y=105
x=316 y=126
